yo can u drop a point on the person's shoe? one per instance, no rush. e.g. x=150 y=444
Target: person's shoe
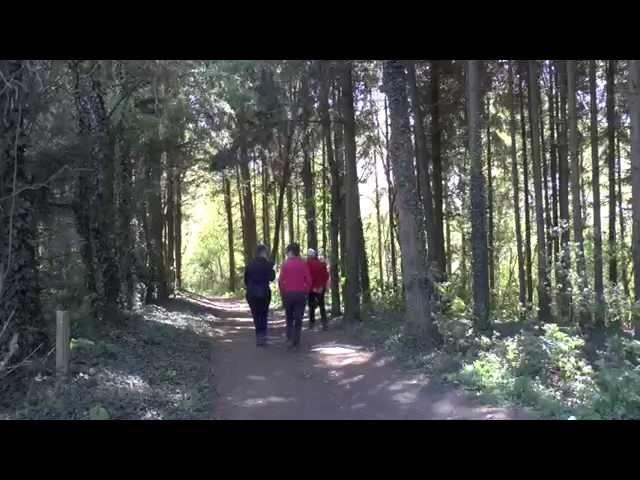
x=325 y=327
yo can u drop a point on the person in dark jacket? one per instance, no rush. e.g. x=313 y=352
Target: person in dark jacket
x=257 y=276
x=294 y=282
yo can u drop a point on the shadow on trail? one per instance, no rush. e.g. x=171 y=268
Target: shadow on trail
x=331 y=377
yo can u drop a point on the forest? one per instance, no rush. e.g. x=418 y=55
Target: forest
x=480 y=218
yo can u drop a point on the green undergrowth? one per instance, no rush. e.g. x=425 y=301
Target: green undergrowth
x=549 y=369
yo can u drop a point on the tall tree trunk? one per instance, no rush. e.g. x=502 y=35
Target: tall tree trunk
x=553 y=149
x=438 y=234
x=422 y=160
x=249 y=230
x=575 y=188
x=478 y=201
x=379 y=224
x=635 y=179
x=266 y=234
x=170 y=222
x=611 y=163
x=178 y=244
x=595 y=181
x=522 y=288
x=490 y=242
x=230 y=246
x=20 y=307
x=325 y=182
x=335 y=187
x=309 y=196
x=290 y=224
x=391 y=197
x=562 y=274
x=623 y=258
x=354 y=238
x=544 y=302
x=417 y=291
x=94 y=128
x=527 y=209
x=545 y=184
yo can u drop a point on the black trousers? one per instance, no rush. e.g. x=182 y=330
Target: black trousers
x=260 y=312
x=294 y=305
x=317 y=300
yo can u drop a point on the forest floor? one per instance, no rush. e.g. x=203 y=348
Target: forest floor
x=196 y=358
x=333 y=376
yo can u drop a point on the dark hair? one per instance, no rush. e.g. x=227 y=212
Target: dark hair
x=294 y=248
x=262 y=248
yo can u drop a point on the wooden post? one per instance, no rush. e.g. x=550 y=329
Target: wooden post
x=63 y=351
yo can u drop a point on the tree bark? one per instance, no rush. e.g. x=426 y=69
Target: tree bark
x=422 y=161
x=438 y=234
x=178 y=244
x=522 y=288
x=478 y=200
x=527 y=209
x=354 y=238
x=635 y=178
x=391 y=197
x=544 y=302
x=417 y=286
x=595 y=181
x=334 y=225
x=575 y=188
x=490 y=242
x=230 y=246
x=611 y=163
x=562 y=274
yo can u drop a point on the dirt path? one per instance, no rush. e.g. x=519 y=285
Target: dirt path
x=331 y=377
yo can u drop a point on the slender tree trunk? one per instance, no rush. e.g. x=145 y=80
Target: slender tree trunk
x=379 y=225
x=335 y=187
x=522 y=288
x=611 y=162
x=623 y=258
x=354 y=238
x=422 y=160
x=266 y=234
x=490 y=243
x=527 y=209
x=412 y=243
x=575 y=187
x=290 y=215
x=478 y=211
x=545 y=184
x=309 y=197
x=544 y=301
x=20 y=307
x=553 y=148
x=230 y=246
x=324 y=197
x=391 y=197
x=562 y=274
x=178 y=245
x=597 y=222
x=170 y=222
x=438 y=235
x=635 y=179
x=249 y=223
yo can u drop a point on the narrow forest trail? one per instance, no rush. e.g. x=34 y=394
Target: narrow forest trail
x=331 y=377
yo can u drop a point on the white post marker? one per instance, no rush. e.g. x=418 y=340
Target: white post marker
x=63 y=350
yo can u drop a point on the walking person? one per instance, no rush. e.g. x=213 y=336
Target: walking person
x=295 y=284
x=319 y=279
x=257 y=276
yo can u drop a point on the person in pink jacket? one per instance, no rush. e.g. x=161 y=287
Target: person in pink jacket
x=295 y=283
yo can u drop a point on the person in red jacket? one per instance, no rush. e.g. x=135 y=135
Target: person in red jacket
x=319 y=279
x=295 y=283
